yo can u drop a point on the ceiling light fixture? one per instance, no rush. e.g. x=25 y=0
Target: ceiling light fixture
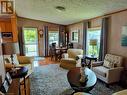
x=60 y=8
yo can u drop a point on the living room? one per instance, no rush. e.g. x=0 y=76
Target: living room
x=84 y=30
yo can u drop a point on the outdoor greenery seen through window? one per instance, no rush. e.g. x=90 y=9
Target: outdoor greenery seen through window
x=30 y=41
x=30 y=35
x=93 y=34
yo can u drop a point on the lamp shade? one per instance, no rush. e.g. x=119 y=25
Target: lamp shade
x=93 y=42
x=10 y=48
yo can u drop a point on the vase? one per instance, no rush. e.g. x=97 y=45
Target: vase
x=84 y=77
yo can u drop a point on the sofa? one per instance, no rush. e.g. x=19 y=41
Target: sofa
x=19 y=61
x=108 y=70
x=71 y=58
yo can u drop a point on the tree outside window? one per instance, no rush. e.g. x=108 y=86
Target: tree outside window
x=93 y=34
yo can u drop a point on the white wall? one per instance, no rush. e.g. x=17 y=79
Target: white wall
x=2 y=68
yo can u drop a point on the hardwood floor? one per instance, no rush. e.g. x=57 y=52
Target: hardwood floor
x=46 y=61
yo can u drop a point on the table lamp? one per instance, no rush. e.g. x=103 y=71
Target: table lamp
x=10 y=49
x=93 y=43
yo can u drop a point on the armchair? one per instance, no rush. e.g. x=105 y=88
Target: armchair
x=108 y=70
x=19 y=61
x=69 y=59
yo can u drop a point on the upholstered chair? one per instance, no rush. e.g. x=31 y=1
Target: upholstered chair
x=108 y=70
x=71 y=58
x=19 y=61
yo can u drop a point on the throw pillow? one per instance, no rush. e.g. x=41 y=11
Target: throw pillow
x=108 y=64
x=7 y=60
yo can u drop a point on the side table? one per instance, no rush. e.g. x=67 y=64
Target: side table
x=89 y=58
x=20 y=73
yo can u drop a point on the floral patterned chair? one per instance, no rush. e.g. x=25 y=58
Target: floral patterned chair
x=108 y=70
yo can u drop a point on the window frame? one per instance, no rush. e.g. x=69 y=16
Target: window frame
x=53 y=32
x=87 y=46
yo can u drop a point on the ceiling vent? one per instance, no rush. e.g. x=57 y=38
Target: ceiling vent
x=60 y=8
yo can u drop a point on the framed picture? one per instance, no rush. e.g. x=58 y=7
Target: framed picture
x=8 y=77
x=124 y=36
x=7 y=36
x=75 y=35
x=5 y=86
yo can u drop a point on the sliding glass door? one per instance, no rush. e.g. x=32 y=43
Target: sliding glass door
x=30 y=41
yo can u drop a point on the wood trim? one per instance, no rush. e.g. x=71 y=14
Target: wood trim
x=39 y=20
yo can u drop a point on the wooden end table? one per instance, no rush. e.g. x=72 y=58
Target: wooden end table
x=89 y=58
x=74 y=76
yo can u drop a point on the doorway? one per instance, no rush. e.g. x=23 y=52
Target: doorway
x=30 y=41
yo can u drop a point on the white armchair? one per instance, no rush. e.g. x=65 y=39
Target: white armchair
x=69 y=61
x=109 y=70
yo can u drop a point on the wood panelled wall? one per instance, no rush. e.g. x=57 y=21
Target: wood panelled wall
x=118 y=20
x=9 y=24
x=24 y=22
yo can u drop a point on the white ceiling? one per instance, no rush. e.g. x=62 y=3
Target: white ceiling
x=76 y=10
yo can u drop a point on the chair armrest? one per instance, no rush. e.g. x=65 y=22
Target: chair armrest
x=113 y=74
x=80 y=56
x=64 y=55
x=9 y=66
x=98 y=63
x=25 y=60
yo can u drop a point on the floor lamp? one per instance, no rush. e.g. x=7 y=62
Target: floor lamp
x=93 y=43
x=10 y=49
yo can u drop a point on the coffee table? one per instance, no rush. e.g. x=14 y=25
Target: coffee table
x=74 y=76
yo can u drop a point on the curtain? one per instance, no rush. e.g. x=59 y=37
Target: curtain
x=46 y=40
x=103 y=38
x=21 y=41
x=62 y=35
x=85 y=27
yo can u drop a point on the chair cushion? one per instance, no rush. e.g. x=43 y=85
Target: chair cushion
x=68 y=60
x=24 y=59
x=72 y=53
x=116 y=60
x=101 y=70
x=108 y=64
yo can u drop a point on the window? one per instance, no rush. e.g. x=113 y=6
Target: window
x=30 y=41
x=93 y=41
x=53 y=37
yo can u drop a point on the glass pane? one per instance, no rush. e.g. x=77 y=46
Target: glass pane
x=93 y=34
x=30 y=41
x=30 y=36
x=31 y=50
x=53 y=37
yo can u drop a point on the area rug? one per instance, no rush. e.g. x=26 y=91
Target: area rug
x=38 y=58
x=52 y=80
